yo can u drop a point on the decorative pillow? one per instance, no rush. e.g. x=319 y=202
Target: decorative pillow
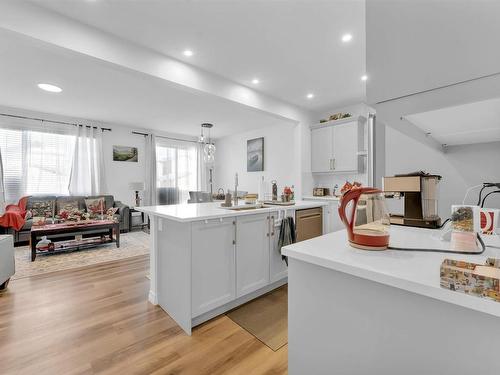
x=68 y=206
x=110 y=213
x=95 y=206
x=42 y=208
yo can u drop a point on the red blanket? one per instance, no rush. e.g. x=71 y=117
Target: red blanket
x=14 y=216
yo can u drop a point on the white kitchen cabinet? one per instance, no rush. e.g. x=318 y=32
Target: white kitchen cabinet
x=322 y=149
x=345 y=147
x=252 y=253
x=194 y=270
x=278 y=268
x=213 y=264
x=333 y=221
x=336 y=146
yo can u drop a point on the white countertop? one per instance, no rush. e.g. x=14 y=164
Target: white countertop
x=213 y=210
x=327 y=198
x=417 y=272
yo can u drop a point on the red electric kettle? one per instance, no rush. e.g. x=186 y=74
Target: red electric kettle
x=368 y=227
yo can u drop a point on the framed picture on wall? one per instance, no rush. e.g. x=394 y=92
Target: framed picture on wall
x=125 y=153
x=255 y=155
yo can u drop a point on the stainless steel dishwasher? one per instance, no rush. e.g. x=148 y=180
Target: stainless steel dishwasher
x=309 y=223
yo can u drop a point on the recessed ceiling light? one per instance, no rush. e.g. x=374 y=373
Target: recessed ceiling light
x=49 y=87
x=346 y=38
x=364 y=77
x=310 y=95
x=188 y=53
x=255 y=81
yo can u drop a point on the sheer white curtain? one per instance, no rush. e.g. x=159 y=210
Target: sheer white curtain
x=36 y=160
x=87 y=172
x=150 y=185
x=2 y=189
x=176 y=170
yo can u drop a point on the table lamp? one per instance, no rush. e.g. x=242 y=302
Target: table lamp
x=137 y=187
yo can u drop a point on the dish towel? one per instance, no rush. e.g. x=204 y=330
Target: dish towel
x=287 y=235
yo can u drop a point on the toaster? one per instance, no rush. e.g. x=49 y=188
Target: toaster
x=321 y=192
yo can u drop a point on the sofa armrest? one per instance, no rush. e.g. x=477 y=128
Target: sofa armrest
x=7 y=263
x=124 y=212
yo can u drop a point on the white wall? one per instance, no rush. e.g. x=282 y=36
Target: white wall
x=461 y=166
x=280 y=156
x=118 y=173
x=405 y=57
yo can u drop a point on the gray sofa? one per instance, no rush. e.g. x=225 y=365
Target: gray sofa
x=7 y=262
x=122 y=215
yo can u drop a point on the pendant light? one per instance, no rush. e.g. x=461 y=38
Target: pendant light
x=209 y=147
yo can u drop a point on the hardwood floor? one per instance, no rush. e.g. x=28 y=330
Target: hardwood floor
x=96 y=320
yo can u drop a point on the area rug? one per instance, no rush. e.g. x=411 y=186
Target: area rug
x=265 y=317
x=131 y=244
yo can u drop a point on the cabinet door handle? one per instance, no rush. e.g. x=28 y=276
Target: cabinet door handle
x=333 y=164
x=272 y=225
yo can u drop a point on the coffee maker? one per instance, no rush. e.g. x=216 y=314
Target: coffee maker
x=420 y=193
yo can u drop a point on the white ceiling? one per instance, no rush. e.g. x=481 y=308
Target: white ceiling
x=293 y=47
x=477 y=122
x=96 y=90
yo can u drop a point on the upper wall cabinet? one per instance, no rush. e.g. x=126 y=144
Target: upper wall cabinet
x=336 y=146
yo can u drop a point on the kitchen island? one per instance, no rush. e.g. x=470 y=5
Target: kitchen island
x=206 y=260
x=354 y=311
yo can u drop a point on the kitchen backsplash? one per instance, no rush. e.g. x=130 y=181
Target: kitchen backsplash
x=329 y=181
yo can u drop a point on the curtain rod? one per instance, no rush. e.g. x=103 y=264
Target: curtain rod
x=53 y=121
x=161 y=136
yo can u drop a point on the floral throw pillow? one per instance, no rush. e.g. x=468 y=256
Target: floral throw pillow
x=110 y=213
x=95 y=206
x=42 y=208
x=68 y=206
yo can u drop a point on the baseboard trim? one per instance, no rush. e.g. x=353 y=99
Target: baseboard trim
x=152 y=298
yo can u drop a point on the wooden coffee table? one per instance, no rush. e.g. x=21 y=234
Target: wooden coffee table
x=75 y=228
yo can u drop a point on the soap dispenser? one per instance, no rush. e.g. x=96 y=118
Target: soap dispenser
x=274 y=190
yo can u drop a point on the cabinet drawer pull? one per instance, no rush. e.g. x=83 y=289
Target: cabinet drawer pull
x=309 y=216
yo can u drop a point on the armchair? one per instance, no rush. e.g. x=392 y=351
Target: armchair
x=7 y=262
x=124 y=213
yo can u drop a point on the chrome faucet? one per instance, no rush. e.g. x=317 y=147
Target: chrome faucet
x=235 y=199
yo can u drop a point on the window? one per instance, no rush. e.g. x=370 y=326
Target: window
x=35 y=162
x=176 y=170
